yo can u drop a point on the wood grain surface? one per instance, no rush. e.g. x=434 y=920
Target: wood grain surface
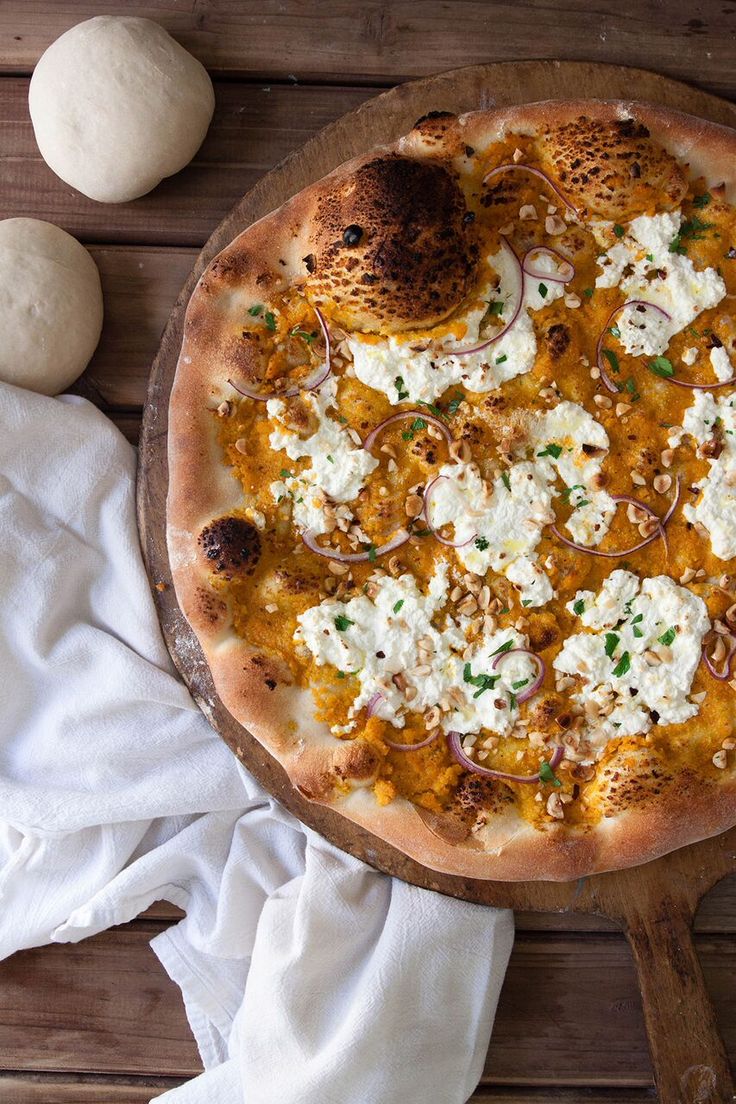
x=70 y=1017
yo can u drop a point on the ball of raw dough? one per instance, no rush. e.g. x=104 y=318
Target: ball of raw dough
x=50 y=306
x=117 y=105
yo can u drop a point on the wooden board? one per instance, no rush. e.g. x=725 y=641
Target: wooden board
x=655 y=904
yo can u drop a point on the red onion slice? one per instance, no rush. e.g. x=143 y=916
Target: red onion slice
x=725 y=672
x=374 y=703
x=311 y=383
x=564 y=273
x=310 y=539
x=519 y=165
x=429 y=418
x=517 y=310
x=644 y=303
x=454 y=743
x=701 y=386
x=658 y=532
x=429 y=492
x=412 y=747
x=541 y=670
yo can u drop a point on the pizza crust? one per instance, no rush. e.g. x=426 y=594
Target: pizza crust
x=269 y=256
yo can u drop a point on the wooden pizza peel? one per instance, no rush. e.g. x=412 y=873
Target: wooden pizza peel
x=654 y=904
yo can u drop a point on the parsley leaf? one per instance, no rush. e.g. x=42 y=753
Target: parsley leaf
x=518 y=685
x=330 y=458
x=398 y=605
x=588 y=292
x=501 y=359
x=285 y=473
x=483 y=682
x=504 y=647
x=496 y=307
x=506 y=480
x=612 y=359
x=669 y=636
x=255 y=310
x=270 y=320
x=481 y=544
x=372 y=553
x=623 y=665
x=543 y=289
x=416 y=425
x=579 y=607
x=399 y=385
x=552 y=450
x=455 y=401
x=546 y=774
x=702 y=200
x=619 y=230
x=661 y=366
x=342 y=622
x=432 y=409
x=612 y=640
x=298 y=332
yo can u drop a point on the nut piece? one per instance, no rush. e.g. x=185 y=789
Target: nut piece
x=555 y=808
x=460 y=450
x=554 y=225
x=241 y=444
x=662 y=483
x=638 y=480
x=720 y=759
x=413 y=506
x=527 y=211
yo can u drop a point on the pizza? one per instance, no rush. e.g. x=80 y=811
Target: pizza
x=452 y=500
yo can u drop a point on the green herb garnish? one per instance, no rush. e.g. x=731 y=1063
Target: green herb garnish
x=661 y=366
x=496 y=307
x=506 y=480
x=399 y=385
x=483 y=682
x=398 y=605
x=668 y=637
x=255 y=310
x=612 y=640
x=546 y=774
x=504 y=647
x=543 y=289
x=270 y=320
x=481 y=544
x=552 y=450
x=612 y=359
x=623 y=665
x=579 y=607
x=342 y=622
x=618 y=230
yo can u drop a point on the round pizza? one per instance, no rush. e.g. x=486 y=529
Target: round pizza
x=452 y=500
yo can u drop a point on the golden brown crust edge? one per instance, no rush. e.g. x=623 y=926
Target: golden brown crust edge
x=258 y=262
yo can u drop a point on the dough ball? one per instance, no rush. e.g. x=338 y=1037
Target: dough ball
x=392 y=248
x=117 y=105
x=50 y=306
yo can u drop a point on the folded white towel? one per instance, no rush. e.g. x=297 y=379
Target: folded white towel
x=306 y=975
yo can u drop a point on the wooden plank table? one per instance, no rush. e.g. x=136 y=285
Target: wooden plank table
x=99 y=1022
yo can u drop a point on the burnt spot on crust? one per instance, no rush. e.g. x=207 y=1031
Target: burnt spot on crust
x=270 y=672
x=211 y=609
x=613 y=169
x=414 y=259
x=360 y=763
x=476 y=795
x=638 y=778
x=557 y=339
x=232 y=545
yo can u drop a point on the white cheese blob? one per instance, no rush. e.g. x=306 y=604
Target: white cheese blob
x=567 y=428
x=494 y=524
x=418 y=369
x=642 y=265
x=339 y=467
x=392 y=633
x=499 y=525
x=716 y=507
x=721 y=364
x=637 y=663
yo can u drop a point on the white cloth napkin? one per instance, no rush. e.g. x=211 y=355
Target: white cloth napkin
x=306 y=975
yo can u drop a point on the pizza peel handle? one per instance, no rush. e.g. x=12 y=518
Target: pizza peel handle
x=688 y=1056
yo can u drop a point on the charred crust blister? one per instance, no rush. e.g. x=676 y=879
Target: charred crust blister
x=612 y=168
x=232 y=545
x=392 y=249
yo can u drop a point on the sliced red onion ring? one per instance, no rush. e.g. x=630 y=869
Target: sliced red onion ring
x=564 y=273
x=430 y=418
x=412 y=747
x=541 y=670
x=599 y=347
x=725 y=672
x=310 y=539
x=519 y=165
x=429 y=492
x=311 y=383
x=658 y=532
x=701 y=386
x=504 y=329
x=374 y=703
x=454 y=742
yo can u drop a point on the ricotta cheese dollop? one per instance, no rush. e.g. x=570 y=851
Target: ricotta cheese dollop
x=390 y=643
x=713 y=420
x=635 y=665
x=643 y=266
x=419 y=369
x=339 y=466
